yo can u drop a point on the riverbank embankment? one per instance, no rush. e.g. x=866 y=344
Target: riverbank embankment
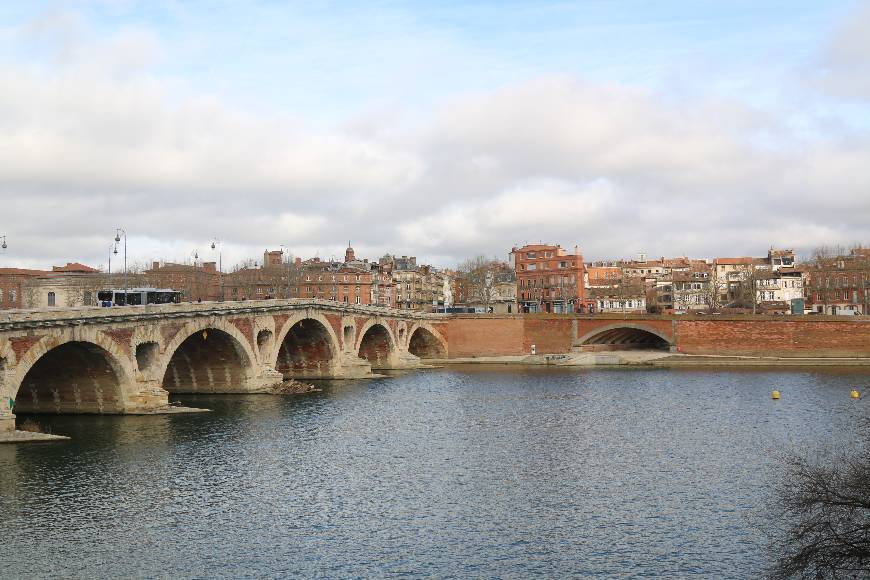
x=654 y=359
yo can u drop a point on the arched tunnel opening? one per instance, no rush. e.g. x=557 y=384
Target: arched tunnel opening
x=625 y=338
x=209 y=361
x=375 y=347
x=306 y=351
x=424 y=344
x=76 y=377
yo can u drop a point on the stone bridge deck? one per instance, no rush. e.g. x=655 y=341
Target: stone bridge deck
x=128 y=359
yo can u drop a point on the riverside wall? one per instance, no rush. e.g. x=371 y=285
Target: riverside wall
x=787 y=337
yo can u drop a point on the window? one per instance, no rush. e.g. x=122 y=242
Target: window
x=532 y=267
x=12 y=296
x=531 y=255
x=1 y=295
x=51 y=299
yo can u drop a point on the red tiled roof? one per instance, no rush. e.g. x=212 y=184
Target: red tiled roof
x=21 y=272
x=74 y=267
x=734 y=261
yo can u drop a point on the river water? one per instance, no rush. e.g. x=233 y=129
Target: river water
x=465 y=471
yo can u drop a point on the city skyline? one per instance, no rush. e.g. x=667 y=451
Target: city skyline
x=442 y=132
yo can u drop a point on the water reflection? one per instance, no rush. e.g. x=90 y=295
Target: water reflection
x=464 y=471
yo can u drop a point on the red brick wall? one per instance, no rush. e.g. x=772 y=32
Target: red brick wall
x=787 y=338
x=470 y=336
x=513 y=335
x=485 y=336
x=548 y=335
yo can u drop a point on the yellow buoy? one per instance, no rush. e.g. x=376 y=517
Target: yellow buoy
x=775 y=394
x=855 y=394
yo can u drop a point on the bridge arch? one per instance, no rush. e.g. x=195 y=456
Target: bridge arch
x=624 y=336
x=377 y=345
x=78 y=373
x=307 y=347
x=424 y=342
x=208 y=356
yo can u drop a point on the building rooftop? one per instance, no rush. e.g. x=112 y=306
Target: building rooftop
x=74 y=267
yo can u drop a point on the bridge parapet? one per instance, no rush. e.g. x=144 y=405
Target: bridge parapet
x=47 y=317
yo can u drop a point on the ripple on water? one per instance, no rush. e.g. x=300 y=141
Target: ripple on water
x=458 y=472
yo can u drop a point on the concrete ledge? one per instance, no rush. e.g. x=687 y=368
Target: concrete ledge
x=168 y=410
x=688 y=360
x=29 y=437
x=652 y=359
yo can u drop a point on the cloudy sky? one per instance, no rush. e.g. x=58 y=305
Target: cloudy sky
x=438 y=129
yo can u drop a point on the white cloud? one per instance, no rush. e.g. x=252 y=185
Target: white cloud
x=845 y=64
x=99 y=140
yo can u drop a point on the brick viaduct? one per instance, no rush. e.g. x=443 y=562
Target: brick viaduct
x=128 y=360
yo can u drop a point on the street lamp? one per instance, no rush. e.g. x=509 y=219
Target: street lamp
x=118 y=233
x=285 y=257
x=113 y=249
x=195 y=284
x=217 y=244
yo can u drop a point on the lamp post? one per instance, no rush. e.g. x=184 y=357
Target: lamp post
x=113 y=249
x=285 y=257
x=217 y=244
x=195 y=283
x=118 y=233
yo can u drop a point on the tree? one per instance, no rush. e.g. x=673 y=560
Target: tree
x=822 y=529
x=746 y=292
x=715 y=290
x=480 y=274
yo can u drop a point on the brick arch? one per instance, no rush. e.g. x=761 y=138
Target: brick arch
x=625 y=335
x=376 y=344
x=223 y=365
x=79 y=372
x=306 y=352
x=425 y=342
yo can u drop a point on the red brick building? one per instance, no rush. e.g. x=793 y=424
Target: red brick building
x=198 y=281
x=12 y=281
x=838 y=284
x=549 y=279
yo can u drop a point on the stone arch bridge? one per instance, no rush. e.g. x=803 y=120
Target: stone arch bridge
x=128 y=360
